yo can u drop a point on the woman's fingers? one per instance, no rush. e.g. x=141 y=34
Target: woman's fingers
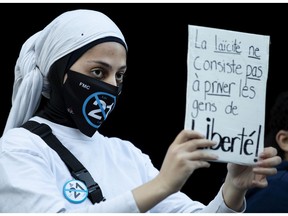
x=267 y=163
x=189 y=145
x=199 y=155
x=269 y=152
x=192 y=140
x=186 y=135
x=192 y=145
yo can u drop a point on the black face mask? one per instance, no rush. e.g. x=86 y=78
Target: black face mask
x=89 y=101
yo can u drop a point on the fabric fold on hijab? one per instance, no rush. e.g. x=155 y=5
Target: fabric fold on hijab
x=62 y=36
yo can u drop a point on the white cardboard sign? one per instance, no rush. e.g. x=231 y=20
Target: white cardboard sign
x=226 y=91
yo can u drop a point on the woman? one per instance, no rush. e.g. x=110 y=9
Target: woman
x=78 y=62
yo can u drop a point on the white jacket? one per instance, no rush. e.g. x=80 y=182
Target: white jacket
x=32 y=175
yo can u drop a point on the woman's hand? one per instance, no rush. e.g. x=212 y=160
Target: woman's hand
x=183 y=158
x=246 y=177
x=240 y=178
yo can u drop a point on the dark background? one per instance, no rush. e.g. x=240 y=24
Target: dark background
x=151 y=110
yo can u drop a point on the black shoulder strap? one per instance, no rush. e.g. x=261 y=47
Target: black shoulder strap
x=78 y=171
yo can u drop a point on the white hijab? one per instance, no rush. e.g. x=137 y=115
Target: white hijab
x=68 y=32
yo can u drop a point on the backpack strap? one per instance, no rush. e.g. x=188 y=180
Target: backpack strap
x=77 y=170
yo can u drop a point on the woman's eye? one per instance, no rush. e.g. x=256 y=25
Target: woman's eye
x=97 y=73
x=120 y=77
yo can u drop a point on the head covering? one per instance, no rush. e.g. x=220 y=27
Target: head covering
x=65 y=34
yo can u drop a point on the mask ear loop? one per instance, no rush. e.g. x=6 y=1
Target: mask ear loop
x=120 y=88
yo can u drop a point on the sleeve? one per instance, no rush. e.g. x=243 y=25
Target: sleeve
x=121 y=204
x=25 y=184
x=217 y=205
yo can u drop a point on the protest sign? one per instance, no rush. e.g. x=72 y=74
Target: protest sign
x=226 y=91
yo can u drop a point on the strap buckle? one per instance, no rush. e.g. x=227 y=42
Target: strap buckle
x=94 y=191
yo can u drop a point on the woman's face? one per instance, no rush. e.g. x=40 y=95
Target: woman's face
x=105 y=62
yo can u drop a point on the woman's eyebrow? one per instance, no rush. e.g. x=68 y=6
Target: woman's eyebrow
x=108 y=65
